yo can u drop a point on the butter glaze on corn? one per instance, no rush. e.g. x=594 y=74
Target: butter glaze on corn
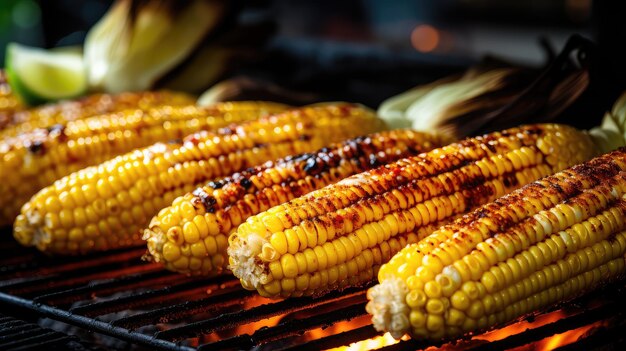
x=545 y=243
x=339 y=236
x=105 y=206
x=62 y=112
x=36 y=159
x=228 y=202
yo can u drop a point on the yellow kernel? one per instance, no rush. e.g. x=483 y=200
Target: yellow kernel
x=198 y=249
x=470 y=289
x=476 y=310
x=311 y=260
x=414 y=283
x=432 y=289
x=293 y=242
x=455 y=317
x=320 y=254
x=273 y=223
x=302 y=262
x=416 y=298
x=203 y=228
x=435 y=306
x=171 y=251
x=276 y=270
x=417 y=319
x=272 y=288
x=302 y=282
x=289 y=265
x=174 y=235
x=424 y=274
x=288 y=285
x=434 y=323
x=460 y=300
x=191 y=233
x=211 y=245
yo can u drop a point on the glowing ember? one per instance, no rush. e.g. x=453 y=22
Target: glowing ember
x=522 y=326
x=370 y=344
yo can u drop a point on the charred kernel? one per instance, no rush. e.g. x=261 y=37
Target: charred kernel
x=514 y=261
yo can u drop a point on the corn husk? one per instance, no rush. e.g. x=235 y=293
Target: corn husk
x=139 y=41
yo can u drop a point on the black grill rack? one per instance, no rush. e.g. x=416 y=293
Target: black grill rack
x=119 y=295
x=18 y=335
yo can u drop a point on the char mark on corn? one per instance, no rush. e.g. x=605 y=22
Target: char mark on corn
x=546 y=243
x=36 y=159
x=105 y=206
x=340 y=235
x=227 y=202
x=66 y=111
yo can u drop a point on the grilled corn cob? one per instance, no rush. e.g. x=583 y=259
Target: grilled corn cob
x=339 y=236
x=548 y=242
x=105 y=206
x=65 y=111
x=228 y=202
x=9 y=102
x=35 y=160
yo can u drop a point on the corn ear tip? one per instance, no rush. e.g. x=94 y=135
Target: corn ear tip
x=388 y=307
x=243 y=254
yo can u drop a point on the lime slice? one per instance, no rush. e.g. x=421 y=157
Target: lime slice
x=39 y=75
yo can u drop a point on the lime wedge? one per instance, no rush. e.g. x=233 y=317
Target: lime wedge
x=39 y=75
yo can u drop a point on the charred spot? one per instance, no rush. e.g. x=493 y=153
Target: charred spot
x=58 y=130
x=510 y=180
x=230 y=130
x=260 y=145
x=216 y=185
x=304 y=137
x=192 y=139
x=207 y=200
x=557 y=187
x=481 y=213
x=491 y=147
x=37 y=147
x=314 y=165
x=474 y=197
x=597 y=169
x=373 y=161
x=245 y=183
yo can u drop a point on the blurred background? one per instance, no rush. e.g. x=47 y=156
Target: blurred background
x=367 y=50
x=451 y=28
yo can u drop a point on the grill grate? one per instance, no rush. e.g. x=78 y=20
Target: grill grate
x=18 y=335
x=119 y=295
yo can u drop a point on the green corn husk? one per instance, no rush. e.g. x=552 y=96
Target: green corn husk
x=483 y=100
x=139 y=41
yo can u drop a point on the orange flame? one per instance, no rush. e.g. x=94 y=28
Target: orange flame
x=370 y=344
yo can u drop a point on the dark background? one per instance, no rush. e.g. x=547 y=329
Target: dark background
x=368 y=50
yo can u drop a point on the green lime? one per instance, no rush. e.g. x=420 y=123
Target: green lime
x=39 y=75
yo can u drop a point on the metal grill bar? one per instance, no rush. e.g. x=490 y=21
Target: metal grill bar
x=142 y=299
x=31 y=286
x=19 y=335
x=288 y=328
x=7 y=332
x=187 y=308
x=612 y=338
x=92 y=324
x=336 y=340
x=103 y=287
x=214 y=307
x=40 y=265
x=562 y=325
x=230 y=320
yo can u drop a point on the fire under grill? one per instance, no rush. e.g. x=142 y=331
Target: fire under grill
x=121 y=297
